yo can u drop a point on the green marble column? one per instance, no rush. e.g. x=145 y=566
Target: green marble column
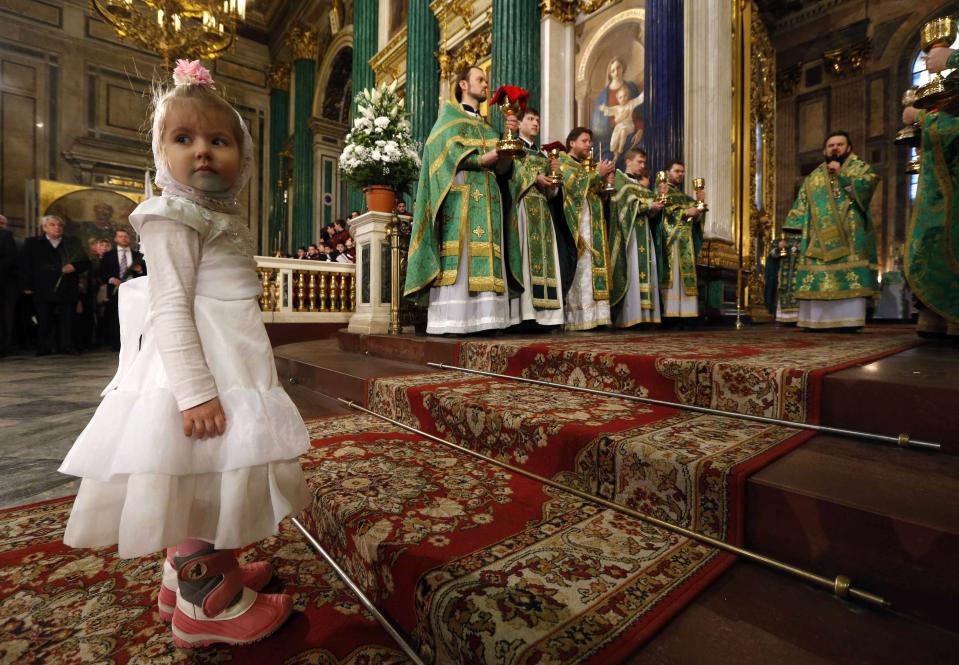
x=302 y=42
x=365 y=25
x=422 y=70
x=279 y=132
x=516 y=42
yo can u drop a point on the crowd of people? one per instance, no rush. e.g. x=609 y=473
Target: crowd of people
x=335 y=244
x=58 y=293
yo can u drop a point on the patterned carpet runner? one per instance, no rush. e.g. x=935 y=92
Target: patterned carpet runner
x=64 y=606
x=772 y=372
x=479 y=565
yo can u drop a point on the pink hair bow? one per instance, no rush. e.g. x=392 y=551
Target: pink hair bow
x=191 y=72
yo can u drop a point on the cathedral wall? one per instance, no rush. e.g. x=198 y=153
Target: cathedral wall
x=873 y=46
x=73 y=105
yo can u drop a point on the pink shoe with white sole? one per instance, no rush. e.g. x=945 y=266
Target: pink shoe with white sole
x=255 y=575
x=213 y=607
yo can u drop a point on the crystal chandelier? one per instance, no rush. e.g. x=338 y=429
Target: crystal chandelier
x=175 y=28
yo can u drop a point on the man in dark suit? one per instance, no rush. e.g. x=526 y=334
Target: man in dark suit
x=118 y=265
x=8 y=286
x=49 y=269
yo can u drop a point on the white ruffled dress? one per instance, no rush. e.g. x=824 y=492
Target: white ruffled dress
x=145 y=486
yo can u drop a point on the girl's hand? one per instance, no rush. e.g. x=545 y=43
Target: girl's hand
x=204 y=420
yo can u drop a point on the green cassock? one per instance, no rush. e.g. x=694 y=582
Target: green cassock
x=581 y=188
x=451 y=217
x=675 y=228
x=630 y=210
x=540 y=238
x=787 y=276
x=932 y=238
x=837 y=257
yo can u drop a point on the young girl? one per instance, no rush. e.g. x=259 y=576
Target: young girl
x=194 y=447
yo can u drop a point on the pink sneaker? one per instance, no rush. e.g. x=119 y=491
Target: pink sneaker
x=255 y=575
x=213 y=606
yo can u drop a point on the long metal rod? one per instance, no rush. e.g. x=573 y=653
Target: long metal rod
x=366 y=602
x=903 y=440
x=840 y=585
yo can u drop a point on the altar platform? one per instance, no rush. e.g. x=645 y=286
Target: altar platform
x=881 y=514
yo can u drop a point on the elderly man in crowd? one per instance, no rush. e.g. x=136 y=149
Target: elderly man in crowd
x=49 y=269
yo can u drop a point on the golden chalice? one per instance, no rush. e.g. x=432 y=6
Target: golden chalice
x=908 y=135
x=509 y=144
x=662 y=187
x=699 y=184
x=941 y=90
x=554 y=176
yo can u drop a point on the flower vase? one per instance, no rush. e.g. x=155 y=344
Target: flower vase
x=380 y=198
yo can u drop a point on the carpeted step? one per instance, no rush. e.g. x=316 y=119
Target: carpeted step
x=479 y=565
x=884 y=515
x=62 y=605
x=321 y=366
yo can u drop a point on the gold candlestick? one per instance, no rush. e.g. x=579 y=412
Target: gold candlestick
x=699 y=184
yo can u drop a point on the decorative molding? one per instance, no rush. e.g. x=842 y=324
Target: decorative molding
x=849 y=59
x=391 y=60
x=279 y=76
x=473 y=50
x=302 y=42
x=567 y=11
x=336 y=16
x=789 y=79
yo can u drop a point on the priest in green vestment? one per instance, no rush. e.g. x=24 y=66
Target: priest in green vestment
x=634 y=292
x=461 y=253
x=932 y=236
x=837 y=271
x=533 y=216
x=587 y=301
x=678 y=237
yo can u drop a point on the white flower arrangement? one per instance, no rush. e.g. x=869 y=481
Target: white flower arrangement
x=379 y=148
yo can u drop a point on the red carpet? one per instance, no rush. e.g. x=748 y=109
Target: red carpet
x=686 y=468
x=479 y=565
x=61 y=605
x=771 y=372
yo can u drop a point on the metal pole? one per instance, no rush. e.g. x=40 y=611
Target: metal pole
x=366 y=602
x=393 y=233
x=903 y=440
x=840 y=585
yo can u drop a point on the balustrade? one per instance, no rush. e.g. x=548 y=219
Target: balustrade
x=294 y=291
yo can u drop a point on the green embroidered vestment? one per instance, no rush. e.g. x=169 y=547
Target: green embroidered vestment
x=540 y=237
x=630 y=210
x=685 y=233
x=452 y=217
x=581 y=189
x=932 y=238
x=837 y=258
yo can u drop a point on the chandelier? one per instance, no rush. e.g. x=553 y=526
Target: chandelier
x=175 y=28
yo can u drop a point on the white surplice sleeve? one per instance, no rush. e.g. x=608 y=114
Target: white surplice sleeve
x=174 y=254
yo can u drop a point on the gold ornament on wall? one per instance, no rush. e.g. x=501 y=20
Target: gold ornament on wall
x=175 y=28
x=302 y=42
x=567 y=10
x=279 y=76
x=848 y=59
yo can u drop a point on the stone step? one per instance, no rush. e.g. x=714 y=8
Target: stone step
x=915 y=391
x=882 y=515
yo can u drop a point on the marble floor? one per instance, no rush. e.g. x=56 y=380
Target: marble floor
x=44 y=405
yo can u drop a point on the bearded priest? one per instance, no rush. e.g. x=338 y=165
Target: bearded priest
x=837 y=270
x=460 y=258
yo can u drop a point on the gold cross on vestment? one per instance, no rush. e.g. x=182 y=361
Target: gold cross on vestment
x=478 y=232
x=476 y=195
x=642 y=275
x=642 y=250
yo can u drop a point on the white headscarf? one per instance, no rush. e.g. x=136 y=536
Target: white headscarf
x=189 y=77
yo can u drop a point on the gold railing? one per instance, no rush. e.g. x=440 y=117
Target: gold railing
x=293 y=291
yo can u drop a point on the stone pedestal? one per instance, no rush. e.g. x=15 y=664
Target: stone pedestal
x=372 y=313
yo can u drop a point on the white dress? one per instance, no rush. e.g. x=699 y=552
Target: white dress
x=190 y=331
